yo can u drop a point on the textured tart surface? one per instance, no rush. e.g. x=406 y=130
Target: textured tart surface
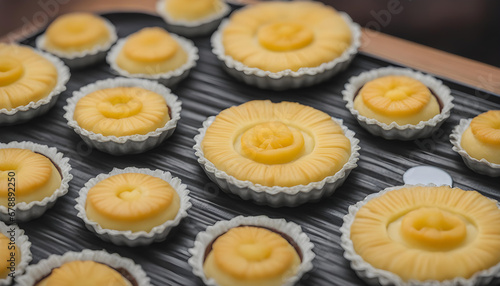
x=278 y=35
x=132 y=201
x=192 y=10
x=422 y=233
x=121 y=111
x=76 y=32
x=151 y=51
x=399 y=99
x=25 y=76
x=5 y=255
x=481 y=139
x=276 y=144
x=251 y=256
x=36 y=177
x=84 y=273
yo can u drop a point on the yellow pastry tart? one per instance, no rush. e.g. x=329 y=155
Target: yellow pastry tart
x=154 y=53
x=88 y=272
x=30 y=82
x=79 y=39
x=86 y=268
x=192 y=17
x=397 y=103
x=251 y=251
x=15 y=253
x=477 y=140
x=123 y=116
x=32 y=177
x=277 y=149
x=133 y=206
x=423 y=233
x=282 y=45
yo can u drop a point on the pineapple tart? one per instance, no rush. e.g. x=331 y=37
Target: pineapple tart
x=276 y=144
x=25 y=76
x=481 y=139
x=428 y=233
x=251 y=256
x=399 y=99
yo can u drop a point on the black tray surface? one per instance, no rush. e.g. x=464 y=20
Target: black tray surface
x=206 y=92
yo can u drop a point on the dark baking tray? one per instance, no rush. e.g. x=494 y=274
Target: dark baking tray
x=206 y=92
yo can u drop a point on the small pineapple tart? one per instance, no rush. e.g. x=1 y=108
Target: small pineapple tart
x=481 y=139
x=276 y=144
x=151 y=51
x=36 y=177
x=277 y=35
x=399 y=99
x=25 y=76
x=84 y=273
x=132 y=201
x=251 y=256
x=192 y=10
x=122 y=111
x=8 y=250
x=428 y=233
x=76 y=32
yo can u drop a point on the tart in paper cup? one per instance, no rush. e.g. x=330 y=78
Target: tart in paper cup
x=26 y=112
x=129 y=238
x=479 y=166
x=23 y=212
x=76 y=60
x=192 y=28
x=277 y=196
x=394 y=130
x=289 y=230
x=36 y=272
x=286 y=79
x=170 y=78
x=23 y=244
x=376 y=276
x=131 y=144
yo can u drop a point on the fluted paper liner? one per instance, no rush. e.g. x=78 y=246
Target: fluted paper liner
x=394 y=130
x=43 y=268
x=24 y=246
x=479 y=166
x=28 y=211
x=169 y=78
x=277 y=196
x=203 y=26
x=293 y=230
x=79 y=59
x=129 y=238
x=375 y=276
x=26 y=112
x=287 y=79
x=131 y=144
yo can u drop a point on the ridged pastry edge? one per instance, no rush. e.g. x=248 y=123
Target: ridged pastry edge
x=287 y=79
x=277 y=196
x=374 y=276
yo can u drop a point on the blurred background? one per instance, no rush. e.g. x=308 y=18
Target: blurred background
x=463 y=27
